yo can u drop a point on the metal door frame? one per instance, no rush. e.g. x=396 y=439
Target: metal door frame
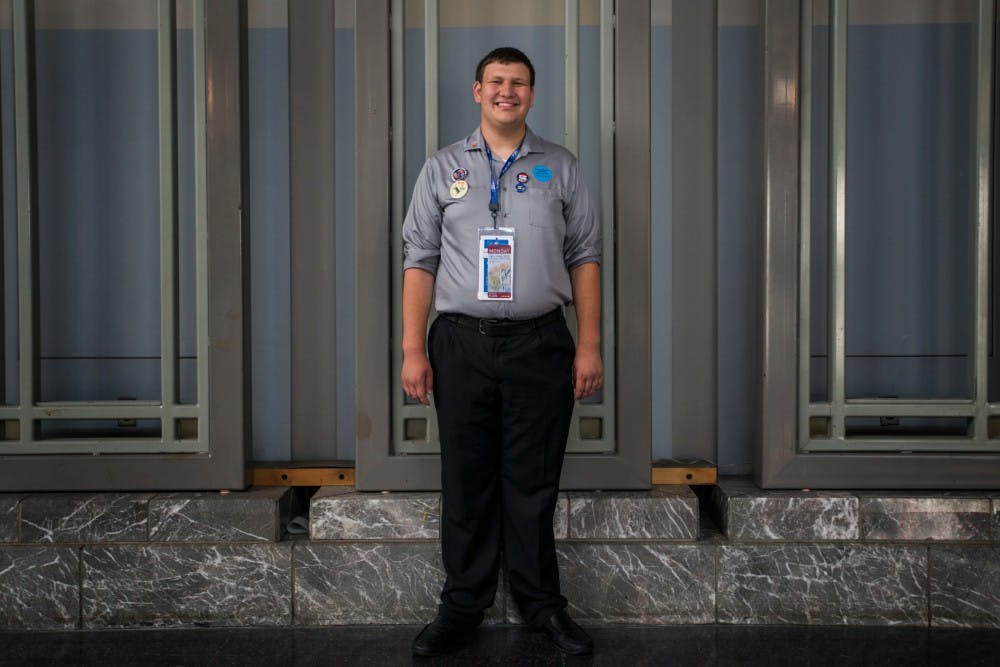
x=377 y=466
x=216 y=456
x=788 y=455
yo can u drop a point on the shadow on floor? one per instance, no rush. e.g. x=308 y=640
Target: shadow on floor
x=506 y=645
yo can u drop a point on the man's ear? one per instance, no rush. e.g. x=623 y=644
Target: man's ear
x=476 y=95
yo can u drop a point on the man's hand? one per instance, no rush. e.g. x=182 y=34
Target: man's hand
x=588 y=371
x=417 y=376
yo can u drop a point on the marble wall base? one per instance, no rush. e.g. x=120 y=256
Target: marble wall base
x=363 y=583
x=187 y=585
x=747 y=513
x=663 y=513
x=965 y=586
x=340 y=513
x=39 y=587
x=803 y=558
x=940 y=517
x=995 y=521
x=831 y=584
x=656 y=584
x=76 y=518
x=256 y=515
x=8 y=517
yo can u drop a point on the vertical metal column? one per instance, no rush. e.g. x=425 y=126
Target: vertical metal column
x=431 y=119
x=838 y=214
x=313 y=192
x=423 y=438
x=201 y=102
x=695 y=248
x=805 y=100
x=982 y=71
x=571 y=135
x=167 y=78
x=27 y=211
x=607 y=92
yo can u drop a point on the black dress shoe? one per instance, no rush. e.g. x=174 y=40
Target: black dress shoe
x=441 y=636
x=567 y=635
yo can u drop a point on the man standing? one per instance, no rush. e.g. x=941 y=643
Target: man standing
x=502 y=233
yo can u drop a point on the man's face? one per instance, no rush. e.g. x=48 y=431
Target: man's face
x=505 y=94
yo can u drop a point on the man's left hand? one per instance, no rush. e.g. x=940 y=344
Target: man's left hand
x=588 y=371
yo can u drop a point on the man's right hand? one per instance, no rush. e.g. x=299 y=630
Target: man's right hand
x=417 y=376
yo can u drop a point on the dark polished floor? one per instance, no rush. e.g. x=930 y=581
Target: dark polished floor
x=617 y=646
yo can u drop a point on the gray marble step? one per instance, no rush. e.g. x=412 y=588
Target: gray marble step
x=256 y=515
x=663 y=513
x=914 y=516
x=747 y=513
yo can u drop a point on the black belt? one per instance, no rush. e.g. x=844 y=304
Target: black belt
x=495 y=327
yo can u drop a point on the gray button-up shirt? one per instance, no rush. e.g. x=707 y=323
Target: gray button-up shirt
x=555 y=222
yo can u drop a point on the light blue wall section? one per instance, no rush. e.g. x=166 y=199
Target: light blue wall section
x=661 y=206
x=271 y=256
x=270 y=245
x=10 y=379
x=740 y=184
x=98 y=210
x=346 y=269
x=908 y=224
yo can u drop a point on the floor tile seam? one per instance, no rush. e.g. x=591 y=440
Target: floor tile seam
x=136 y=543
x=370 y=540
x=864 y=542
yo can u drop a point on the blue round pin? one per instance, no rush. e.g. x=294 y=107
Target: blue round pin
x=542 y=173
x=520 y=187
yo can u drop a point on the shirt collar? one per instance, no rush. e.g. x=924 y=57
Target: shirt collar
x=531 y=143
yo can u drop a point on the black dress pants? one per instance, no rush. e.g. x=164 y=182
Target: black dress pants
x=504 y=405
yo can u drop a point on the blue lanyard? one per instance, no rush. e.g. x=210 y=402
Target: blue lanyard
x=495 y=182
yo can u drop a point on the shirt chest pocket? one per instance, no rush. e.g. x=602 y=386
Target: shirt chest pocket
x=545 y=209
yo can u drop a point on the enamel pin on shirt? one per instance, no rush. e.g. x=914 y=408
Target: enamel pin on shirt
x=458 y=189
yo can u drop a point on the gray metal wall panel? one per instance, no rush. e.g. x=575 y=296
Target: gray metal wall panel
x=740 y=213
x=313 y=179
x=694 y=226
x=270 y=273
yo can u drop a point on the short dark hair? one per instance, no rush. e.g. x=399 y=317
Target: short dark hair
x=505 y=55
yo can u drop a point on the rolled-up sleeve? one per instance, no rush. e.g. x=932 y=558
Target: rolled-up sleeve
x=583 y=230
x=422 y=225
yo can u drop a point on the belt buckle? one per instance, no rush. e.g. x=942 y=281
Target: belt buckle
x=485 y=322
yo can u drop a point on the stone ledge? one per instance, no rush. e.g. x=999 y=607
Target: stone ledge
x=748 y=514
x=341 y=513
x=663 y=513
x=995 y=523
x=949 y=517
x=256 y=515
x=9 y=504
x=75 y=518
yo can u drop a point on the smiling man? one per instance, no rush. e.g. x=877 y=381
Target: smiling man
x=501 y=234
